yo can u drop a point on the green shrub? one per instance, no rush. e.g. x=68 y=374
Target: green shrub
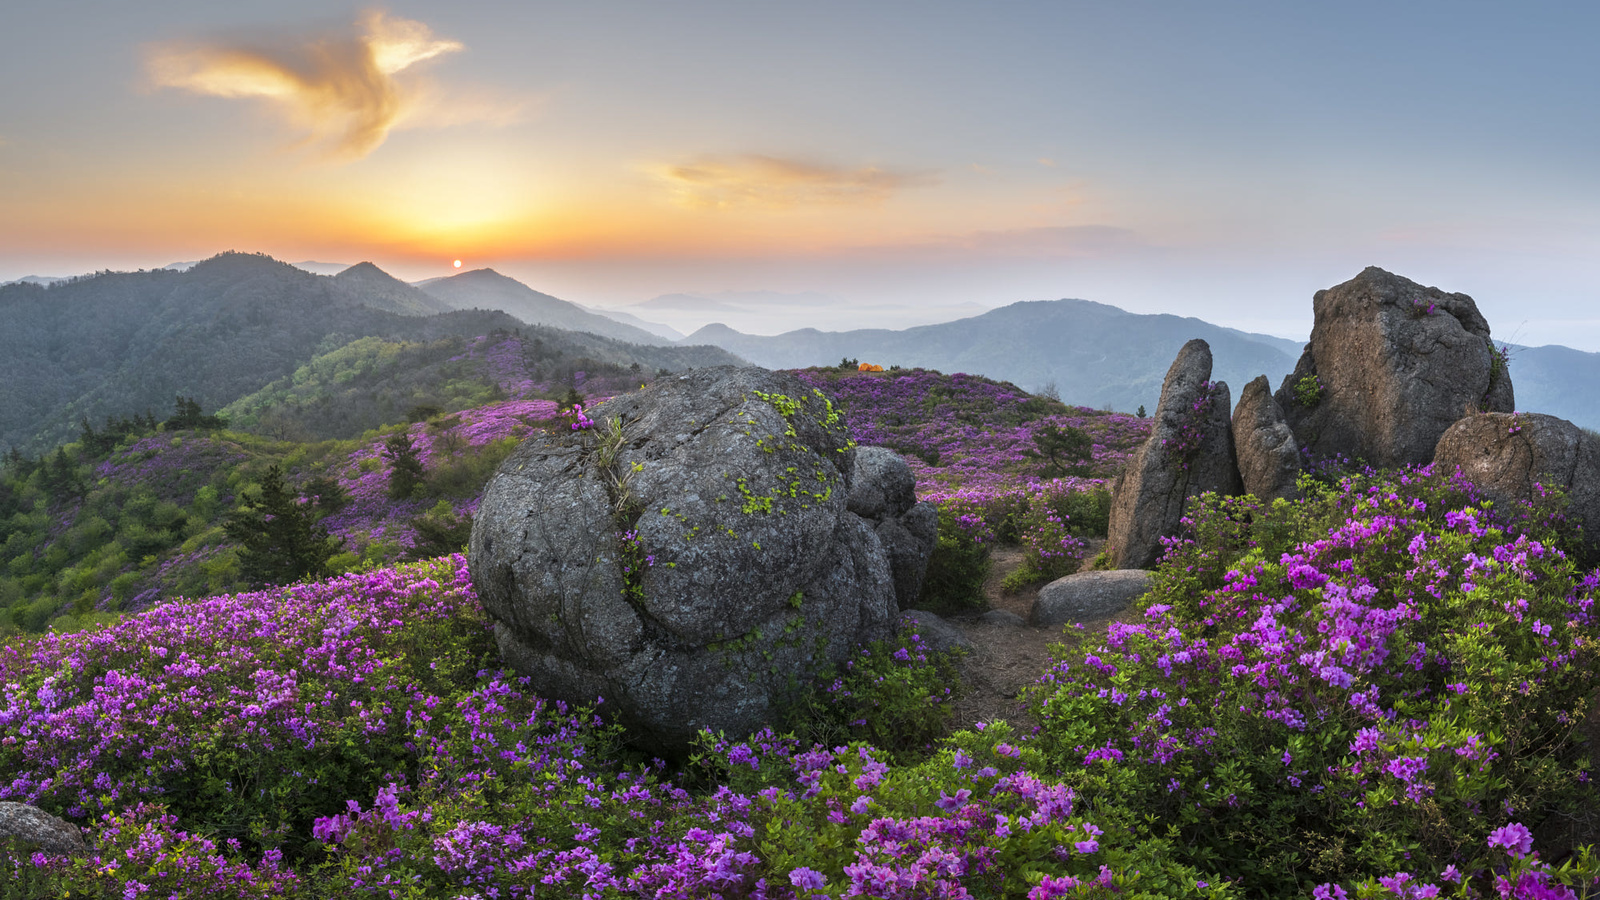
x=958 y=565
x=1308 y=391
x=894 y=695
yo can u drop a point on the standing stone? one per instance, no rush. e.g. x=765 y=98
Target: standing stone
x=1507 y=455
x=1391 y=365
x=883 y=492
x=1269 y=456
x=33 y=827
x=691 y=556
x=1189 y=452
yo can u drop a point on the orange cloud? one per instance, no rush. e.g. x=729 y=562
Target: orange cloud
x=346 y=91
x=770 y=182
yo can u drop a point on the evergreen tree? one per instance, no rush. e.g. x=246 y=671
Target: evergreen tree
x=1064 y=450
x=186 y=415
x=278 y=537
x=405 y=467
x=61 y=478
x=326 y=494
x=439 y=533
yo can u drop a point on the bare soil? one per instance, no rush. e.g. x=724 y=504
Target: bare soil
x=1008 y=658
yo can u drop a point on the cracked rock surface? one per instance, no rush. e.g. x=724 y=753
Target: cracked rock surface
x=694 y=553
x=1508 y=455
x=1189 y=452
x=1397 y=364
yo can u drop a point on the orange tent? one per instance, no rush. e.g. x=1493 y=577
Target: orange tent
x=869 y=367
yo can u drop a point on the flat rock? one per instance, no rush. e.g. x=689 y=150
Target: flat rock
x=1086 y=596
x=33 y=826
x=1002 y=618
x=937 y=634
x=1395 y=364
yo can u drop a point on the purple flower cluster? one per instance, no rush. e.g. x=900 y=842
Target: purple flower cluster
x=341 y=732
x=1384 y=660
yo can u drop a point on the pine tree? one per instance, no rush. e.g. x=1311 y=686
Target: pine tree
x=405 y=467
x=1065 y=450
x=278 y=537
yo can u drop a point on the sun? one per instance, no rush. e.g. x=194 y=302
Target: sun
x=457 y=264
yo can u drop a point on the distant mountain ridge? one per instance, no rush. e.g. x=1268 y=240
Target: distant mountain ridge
x=488 y=289
x=118 y=344
x=1099 y=355
x=1094 y=354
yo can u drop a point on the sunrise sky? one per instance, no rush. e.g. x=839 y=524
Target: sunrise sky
x=1219 y=159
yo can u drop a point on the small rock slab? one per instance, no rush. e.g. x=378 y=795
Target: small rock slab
x=34 y=827
x=1002 y=618
x=937 y=635
x=1089 y=595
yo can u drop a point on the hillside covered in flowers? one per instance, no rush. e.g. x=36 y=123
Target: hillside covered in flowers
x=1383 y=689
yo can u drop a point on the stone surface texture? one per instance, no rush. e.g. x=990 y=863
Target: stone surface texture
x=1398 y=363
x=735 y=483
x=1507 y=455
x=1189 y=452
x=883 y=491
x=33 y=826
x=937 y=634
x=1084 y=596
x=1269 y=456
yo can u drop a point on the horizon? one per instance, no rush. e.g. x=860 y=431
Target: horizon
x=902 y=159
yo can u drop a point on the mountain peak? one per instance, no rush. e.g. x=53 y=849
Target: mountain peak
x=370 y=273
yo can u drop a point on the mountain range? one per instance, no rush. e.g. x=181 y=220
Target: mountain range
x=117 y=344
x=121 y=344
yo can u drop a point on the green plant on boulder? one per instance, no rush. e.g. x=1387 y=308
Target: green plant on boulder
x=1308 y=391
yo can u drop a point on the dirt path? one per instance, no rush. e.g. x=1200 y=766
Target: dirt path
x=1007 y=658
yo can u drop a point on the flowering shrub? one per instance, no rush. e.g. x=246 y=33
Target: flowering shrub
x=1368 y=682
x=342 y=739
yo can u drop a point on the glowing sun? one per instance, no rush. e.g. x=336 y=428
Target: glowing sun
x=457 y=263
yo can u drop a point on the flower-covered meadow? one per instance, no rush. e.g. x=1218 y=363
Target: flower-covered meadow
x=1387 y=689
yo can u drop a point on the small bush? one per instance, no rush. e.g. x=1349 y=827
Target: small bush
x=958 y=565
x=1308 y=391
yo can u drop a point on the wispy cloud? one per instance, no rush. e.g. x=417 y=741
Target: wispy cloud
x=771 y=182
x=346 y=91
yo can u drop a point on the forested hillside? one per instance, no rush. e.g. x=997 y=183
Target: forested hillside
x=121 y=344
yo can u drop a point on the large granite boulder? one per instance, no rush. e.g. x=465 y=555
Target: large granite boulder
x=34 y=828
x=1189 y=452
x=883 y=491
x=1391 y=365
x=691 y=555
x=1269 y=456
x=1086 y=596
x=1506 y=455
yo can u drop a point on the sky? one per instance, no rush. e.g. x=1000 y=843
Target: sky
x=1222 y=160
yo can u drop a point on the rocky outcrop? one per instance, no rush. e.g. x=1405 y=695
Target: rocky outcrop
x=692 y=554
x=32 y=827
x=1189 y=452
x=883 y=491
x=1507 y=455
x=1086 y=596
x=1390 y=366
x=1269 y=456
